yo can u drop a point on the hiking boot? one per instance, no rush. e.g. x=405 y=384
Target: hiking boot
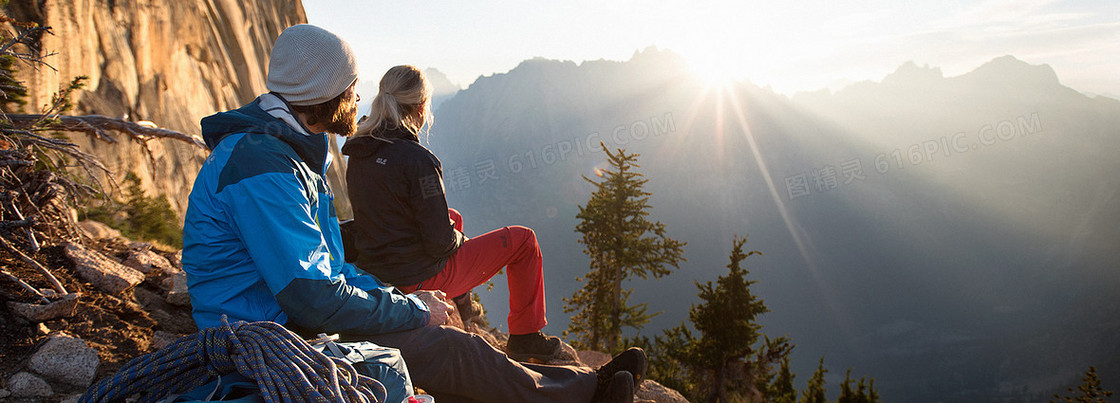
x=633 y=360
x=619 y=388
x=467 y=307
x=525 y=347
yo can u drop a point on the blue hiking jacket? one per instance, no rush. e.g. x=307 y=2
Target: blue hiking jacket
x=261 y=239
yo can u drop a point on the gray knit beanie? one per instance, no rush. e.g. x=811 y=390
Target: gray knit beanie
x=310 y=65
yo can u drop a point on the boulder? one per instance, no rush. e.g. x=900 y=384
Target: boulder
x=62 y=308
x=593 y=359
x=161 y=339
x=650 y=390
x=145 y=260
x=176 y=260
x=178 y=294
x=138 y=245
x=26 y=385
x=101 y=271
x=65 y=359
x=98 y=230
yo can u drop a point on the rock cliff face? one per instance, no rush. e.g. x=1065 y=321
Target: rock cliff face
x=170 y=62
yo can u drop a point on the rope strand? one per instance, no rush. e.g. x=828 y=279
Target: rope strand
x=285 y=367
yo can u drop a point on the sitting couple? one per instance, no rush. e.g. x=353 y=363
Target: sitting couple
x=262 y=241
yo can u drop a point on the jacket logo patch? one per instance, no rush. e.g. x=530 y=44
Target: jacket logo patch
x=381 y=161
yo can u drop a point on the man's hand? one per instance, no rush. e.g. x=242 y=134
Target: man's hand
x=437 y=304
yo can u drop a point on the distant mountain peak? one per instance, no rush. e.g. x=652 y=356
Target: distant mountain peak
x=910 y=72
x=657 y=55
x=1006 y=61
x=440 y=83
x=1010 y=69
x=442 y=87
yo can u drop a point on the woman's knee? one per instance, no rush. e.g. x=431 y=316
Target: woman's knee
x=456 y=217
x=522 y=233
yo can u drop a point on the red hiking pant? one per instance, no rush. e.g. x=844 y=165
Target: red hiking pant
x=480 y=258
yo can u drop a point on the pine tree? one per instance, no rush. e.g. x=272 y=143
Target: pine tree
x=13 y=94
x=150 y=218
x=861 y=394
x=1090 y=390
x=726 y=360
x=622 y=242
x=847 y=395
x=814 y=390
x=147 y=218
x=781 y=389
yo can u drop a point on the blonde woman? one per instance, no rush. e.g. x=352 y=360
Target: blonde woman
x=404 y=233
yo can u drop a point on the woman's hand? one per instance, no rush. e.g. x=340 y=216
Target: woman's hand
x=437 y=305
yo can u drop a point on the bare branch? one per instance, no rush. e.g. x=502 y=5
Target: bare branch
x=26 y=286
x=15 y=162
x=9 y=224
x=97 y=124
x=30 y=233
x=27 y=259
x=23 y=38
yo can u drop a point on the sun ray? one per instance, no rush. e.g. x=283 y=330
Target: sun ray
x=804 y=244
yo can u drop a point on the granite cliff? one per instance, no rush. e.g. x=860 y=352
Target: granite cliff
x=167 y=62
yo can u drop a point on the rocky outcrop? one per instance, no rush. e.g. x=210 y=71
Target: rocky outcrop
x=164 y=61
x=654 y=392
x=145 y=260
x=65 y=359
x=61 y=308
x=27 y=385
x=101 y=271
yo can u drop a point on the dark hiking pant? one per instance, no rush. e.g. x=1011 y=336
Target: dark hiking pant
x=455 y=366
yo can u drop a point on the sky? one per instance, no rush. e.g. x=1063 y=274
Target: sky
x=795 y=45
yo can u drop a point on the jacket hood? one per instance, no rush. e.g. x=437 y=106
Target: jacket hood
x=252 y=119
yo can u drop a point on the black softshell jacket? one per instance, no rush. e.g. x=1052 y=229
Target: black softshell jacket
x=401 y=231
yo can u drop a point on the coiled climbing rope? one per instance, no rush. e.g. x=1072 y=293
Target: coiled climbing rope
x=285 y=367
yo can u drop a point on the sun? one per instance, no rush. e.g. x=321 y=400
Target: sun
x=715 y=66
x=714 y=73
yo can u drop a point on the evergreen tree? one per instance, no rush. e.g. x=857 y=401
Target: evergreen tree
x=13 y=94
x=1090 y=390
x=861 y=394
x=663 y=366
x=726 y=361
x=148 y=218
x=781 y=390
x=622 y=242
x=814 y=390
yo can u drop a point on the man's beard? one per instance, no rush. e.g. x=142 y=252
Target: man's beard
x=344 y=122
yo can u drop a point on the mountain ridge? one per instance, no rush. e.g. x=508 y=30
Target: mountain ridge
x=945 y=204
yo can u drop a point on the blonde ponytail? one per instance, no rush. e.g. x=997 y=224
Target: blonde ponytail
x=403 y=101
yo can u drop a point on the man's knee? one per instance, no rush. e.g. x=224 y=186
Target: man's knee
x=387 y=366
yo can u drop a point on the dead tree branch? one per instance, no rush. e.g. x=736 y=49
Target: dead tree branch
x=97 y=125
x=9 y=224
x=27 y=259
x=28 y=287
